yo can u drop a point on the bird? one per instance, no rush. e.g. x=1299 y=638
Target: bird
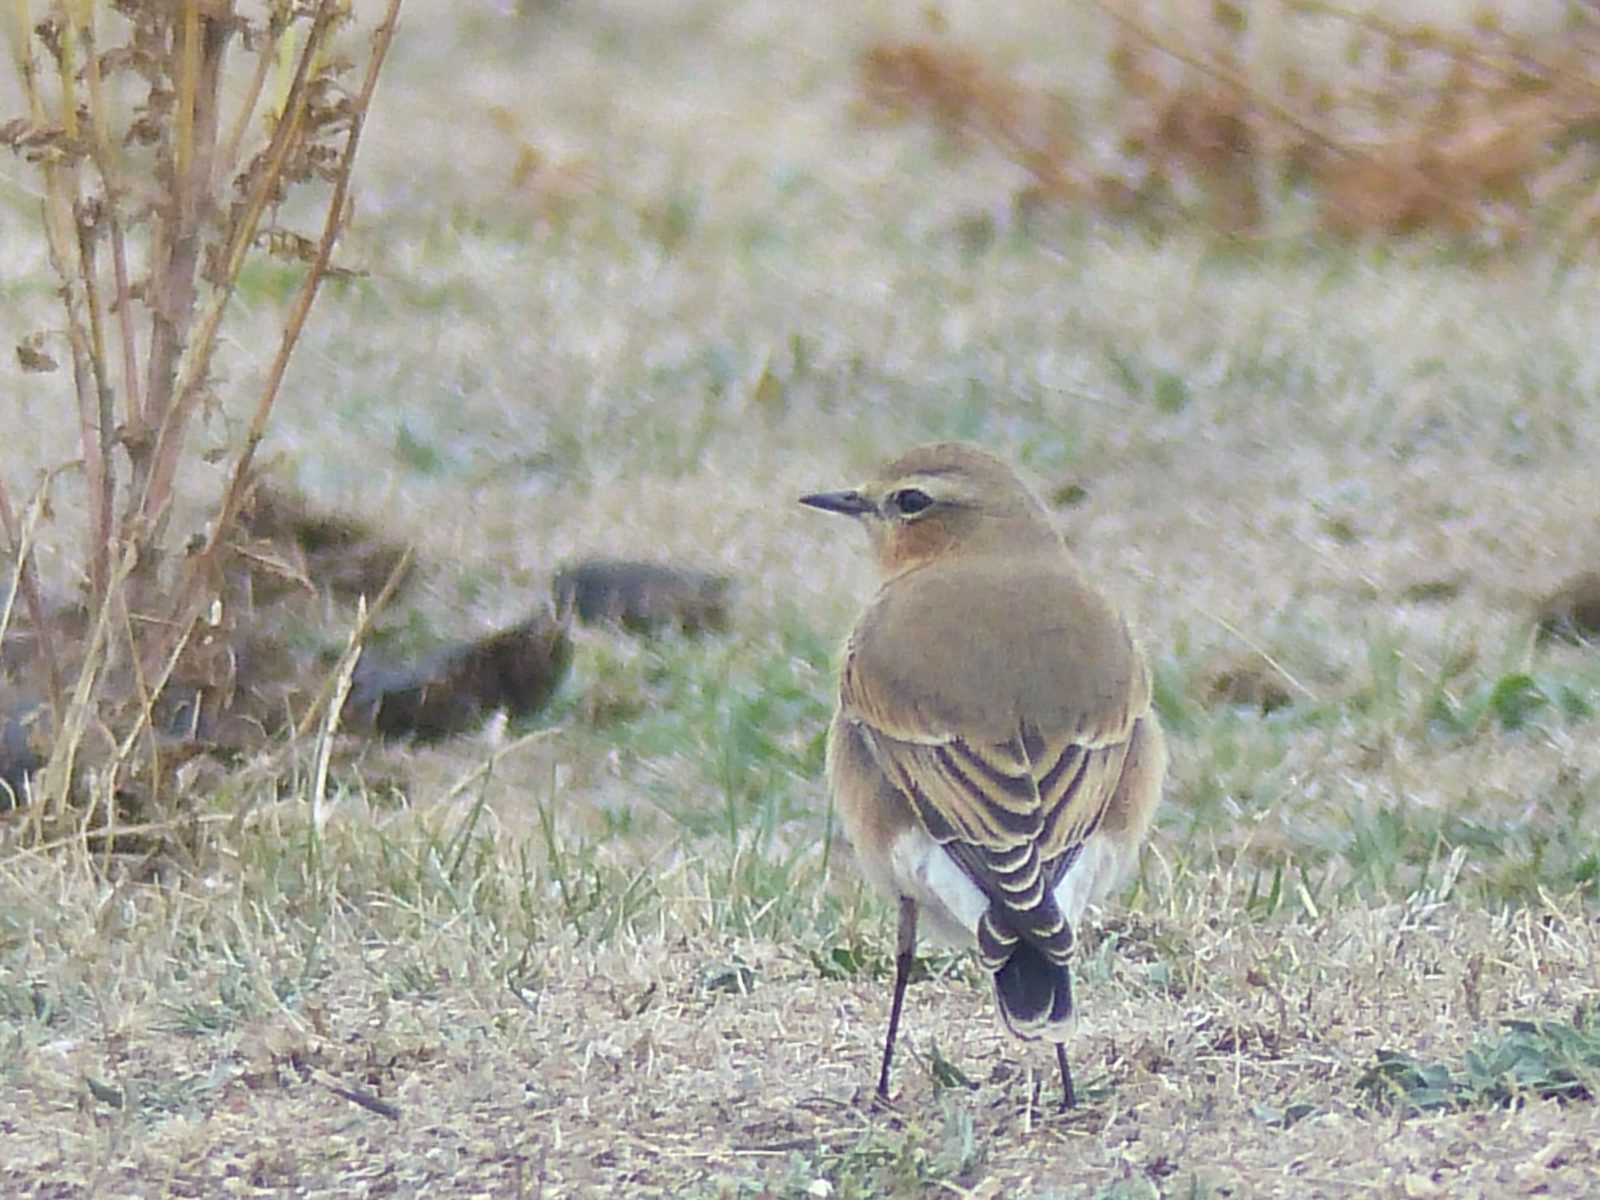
x=995 y=758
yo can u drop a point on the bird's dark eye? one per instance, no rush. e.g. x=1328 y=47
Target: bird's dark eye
x=910 y=501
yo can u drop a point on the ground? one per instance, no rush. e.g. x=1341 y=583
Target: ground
x=636 y=277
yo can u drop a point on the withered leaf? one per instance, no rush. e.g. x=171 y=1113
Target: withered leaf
x=32 y=357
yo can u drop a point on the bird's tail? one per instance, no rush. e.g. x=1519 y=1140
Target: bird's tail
x=1034 y=994
x=1032 y=984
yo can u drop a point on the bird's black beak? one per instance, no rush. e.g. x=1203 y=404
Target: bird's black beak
x=850 y=504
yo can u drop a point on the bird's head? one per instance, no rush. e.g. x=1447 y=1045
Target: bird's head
x=944 y=498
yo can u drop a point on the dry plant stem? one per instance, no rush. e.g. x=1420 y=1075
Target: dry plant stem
x=84 y=325
x=151 y=495
x=148 y=695
x=19 y=33
x=41 y=851
x=61 y=209
x=74 y=260
x=100 y=148
x=227 y=159
x=369 y=613
x=8 y=602
x=96 y=418
x=26 y=580
x=343 y=675
x=332 y=225
x=191 y=595
x=95 y=465
x=1217 y=71
x=124 y=307
x=75 y=720
x=1429 y=37
x=167 y=406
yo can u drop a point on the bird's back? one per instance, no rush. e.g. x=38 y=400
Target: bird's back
x=983 y=645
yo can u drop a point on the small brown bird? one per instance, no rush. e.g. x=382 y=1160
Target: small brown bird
x=995 y=758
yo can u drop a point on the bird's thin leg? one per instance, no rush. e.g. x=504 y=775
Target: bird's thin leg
x=1069 y=1097
x=905 y=953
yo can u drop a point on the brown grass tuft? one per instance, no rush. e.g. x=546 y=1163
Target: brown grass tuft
x=1486 y=137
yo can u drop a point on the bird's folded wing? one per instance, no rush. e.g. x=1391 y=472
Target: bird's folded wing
x=995 y=796
x=1013 y=834
x=982 y=777
x=1074 y=790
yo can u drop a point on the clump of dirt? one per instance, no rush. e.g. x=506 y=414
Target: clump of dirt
x=288 y=544
x=1572 y=612
x=24 y=743
x=1249 y=683
x=455 y=689
x=643 y=597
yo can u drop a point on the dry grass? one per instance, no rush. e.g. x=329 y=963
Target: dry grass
x=636 y=278
x=1225 y=113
